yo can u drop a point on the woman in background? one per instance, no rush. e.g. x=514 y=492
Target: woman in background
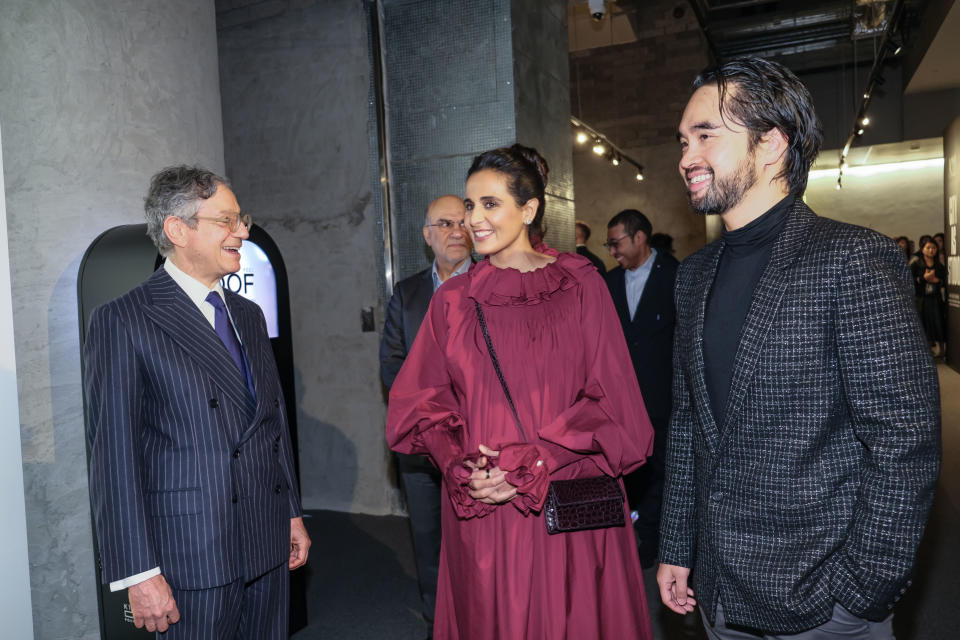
x=565 y=362
x=930 y=277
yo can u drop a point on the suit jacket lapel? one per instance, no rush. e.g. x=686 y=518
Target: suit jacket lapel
x=419 y=301
x=654 y=280
x=619 y=294
x=764 y=307
x=701 y=293
x=253 y=348
x=176 y=315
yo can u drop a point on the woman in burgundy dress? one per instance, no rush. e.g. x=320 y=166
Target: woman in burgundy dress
x=565 y=362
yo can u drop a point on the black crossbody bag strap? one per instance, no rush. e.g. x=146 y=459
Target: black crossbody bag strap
x=496 y=367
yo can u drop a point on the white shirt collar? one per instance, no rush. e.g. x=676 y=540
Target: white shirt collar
x=195 y=290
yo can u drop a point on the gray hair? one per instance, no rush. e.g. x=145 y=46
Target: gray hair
x=177 y=191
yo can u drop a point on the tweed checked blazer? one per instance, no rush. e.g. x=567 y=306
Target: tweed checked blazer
x=187 y=472
x=817 y=487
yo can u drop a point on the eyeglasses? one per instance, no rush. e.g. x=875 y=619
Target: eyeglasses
x=610 y=244
x=231 y=222
x=447 y=225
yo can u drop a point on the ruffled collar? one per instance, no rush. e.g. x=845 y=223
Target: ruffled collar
x=502 y=287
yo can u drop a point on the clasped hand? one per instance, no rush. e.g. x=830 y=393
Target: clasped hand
x=488 y=482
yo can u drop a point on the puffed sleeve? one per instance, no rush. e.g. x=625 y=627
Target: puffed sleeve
x=607 y=423
x=424 y=417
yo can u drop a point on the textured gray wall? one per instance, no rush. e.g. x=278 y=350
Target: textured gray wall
x=542 y=101
x=15 y=610
x=95 y=96
x=449 y=96
x=294 y=80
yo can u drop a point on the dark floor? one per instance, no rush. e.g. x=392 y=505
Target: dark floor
x=362 y=584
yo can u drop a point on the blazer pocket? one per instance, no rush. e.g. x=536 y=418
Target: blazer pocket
x=179 y=502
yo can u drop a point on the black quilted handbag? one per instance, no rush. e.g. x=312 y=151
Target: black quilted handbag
x=572 y=505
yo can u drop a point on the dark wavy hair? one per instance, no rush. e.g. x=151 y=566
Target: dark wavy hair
x=632 y=221
x=177 y=191
x=526 y=172
x=762 y=95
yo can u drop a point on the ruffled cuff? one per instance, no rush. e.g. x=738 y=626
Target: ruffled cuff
x=457 y=480
x=527 y=470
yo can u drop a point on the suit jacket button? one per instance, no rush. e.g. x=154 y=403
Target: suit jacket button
x=214 y=403
x=236 y=454
x=276 y=489
x=276 y=402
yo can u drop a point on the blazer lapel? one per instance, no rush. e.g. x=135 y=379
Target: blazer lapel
x=253 y=348
x=764 y=306
x=176 y=315
x=701 y=293
x=619 y=294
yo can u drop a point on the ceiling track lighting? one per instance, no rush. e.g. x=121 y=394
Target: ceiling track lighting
x=602 y=146
x=891 y=45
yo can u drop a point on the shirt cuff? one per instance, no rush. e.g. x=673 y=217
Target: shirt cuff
x=118 y=585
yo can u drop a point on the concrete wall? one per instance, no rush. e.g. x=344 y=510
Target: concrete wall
x=95 y=96
x=542 y=103
x=449 y=69
x=295 y=83
x=635 y=94
x=15 y=608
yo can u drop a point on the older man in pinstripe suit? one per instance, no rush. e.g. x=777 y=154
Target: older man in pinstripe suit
x=191 y=468
x=804 y=445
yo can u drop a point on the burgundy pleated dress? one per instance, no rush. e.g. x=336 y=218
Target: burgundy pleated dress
x=562 y=351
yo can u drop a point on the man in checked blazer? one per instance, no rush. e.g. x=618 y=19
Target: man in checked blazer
x=804 y=443
x=191 y=467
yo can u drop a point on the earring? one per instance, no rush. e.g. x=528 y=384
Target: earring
x=527 y=221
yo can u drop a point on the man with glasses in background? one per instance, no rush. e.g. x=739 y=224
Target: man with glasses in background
x=446 y=235
x=191 y=468
x=642 y=290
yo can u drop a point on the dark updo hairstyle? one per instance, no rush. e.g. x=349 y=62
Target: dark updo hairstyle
x=526 y=172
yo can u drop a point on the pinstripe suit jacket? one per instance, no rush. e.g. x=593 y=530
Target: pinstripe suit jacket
x=187 y=472
x=817 y=487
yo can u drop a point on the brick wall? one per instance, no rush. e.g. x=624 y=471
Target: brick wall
x=635 y=94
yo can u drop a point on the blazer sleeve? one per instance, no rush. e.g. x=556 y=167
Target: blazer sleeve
x=678 y=514
x=393 y=350
x=114 y=389
x=892 y=392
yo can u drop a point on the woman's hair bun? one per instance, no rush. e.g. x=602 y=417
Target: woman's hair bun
x=533 y=156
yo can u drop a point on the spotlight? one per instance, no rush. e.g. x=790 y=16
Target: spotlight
x=865 y=121
x=582 y=137
x=866 y=96
x=615 y=160
x=598 y=147
x=894 y=47
x=859 y=132
x=639 y=176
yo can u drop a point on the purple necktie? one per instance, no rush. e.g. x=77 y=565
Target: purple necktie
x=221 y=322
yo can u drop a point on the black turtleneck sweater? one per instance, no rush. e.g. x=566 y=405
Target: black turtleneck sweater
x=745 y=254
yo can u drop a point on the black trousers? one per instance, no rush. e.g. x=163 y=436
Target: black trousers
x=645 y=493
x=422 y=489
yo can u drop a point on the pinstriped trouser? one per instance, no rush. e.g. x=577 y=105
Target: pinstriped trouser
x=256 y=610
